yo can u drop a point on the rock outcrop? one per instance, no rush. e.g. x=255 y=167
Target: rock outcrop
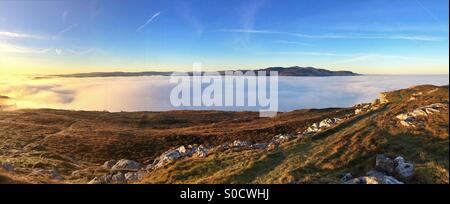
x=410 y=119
x=126 y=165
x=109 y=164
x=374 y=178
x=320 y=126
x=385 y=167
x=383 y=163
x=404 y=169
x=119 y=178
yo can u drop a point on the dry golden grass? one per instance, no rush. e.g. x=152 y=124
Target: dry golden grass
x=74 y=140
x=349 y=147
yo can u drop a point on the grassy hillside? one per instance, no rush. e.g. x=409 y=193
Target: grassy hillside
x=77 y=140
x=349 y=147
x=60 y=146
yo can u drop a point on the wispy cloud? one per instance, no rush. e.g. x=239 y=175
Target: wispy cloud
x=292 y=43
x=306 y=53
x=9 y=34
x=427 y=11
x=11 y=48
x=148 y=21
x=82 y=51
x=20 y=49
x=372 y=57
x=345 y=58
x=388 y=28
x=64 y=16
x=337 y=36
x=65 y=30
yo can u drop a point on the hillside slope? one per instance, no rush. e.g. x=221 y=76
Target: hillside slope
x=351 y=146
x=302 y=146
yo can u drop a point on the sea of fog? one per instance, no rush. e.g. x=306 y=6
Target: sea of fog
x=153 y=93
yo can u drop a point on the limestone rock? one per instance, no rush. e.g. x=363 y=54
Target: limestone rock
x=105 y=179
x=374 y=180
x=314 y=128
x=109 y=164
x=127 y=165
x=282 y=138
x=240 y=144
x=408 y=119
x=384 y=163
x=170 y=156
x=260 y=146
x=134 y=176
x=346 y=177
x=182 y=150
x=118 y=178
x=402 y=168
x=201 y=151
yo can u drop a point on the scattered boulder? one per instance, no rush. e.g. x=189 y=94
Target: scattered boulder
x=131 y=176
x=260 y=146
x=170 y=156
x=312 y=129
x=282 y=138
x=105 y=179
x=374 y=177
x=346 y=177
x=328 y=122
x=182 y=150
x=358 y=111
x=402 y=168
x=118 y=178
x=165 y=158
x=223 y=147
x=240 y=144
x=383 y=163
x=109 y=164
x=134 y=176
x=126 y=165
x=175 y=154
x=374 y=180
x=408 y=119
x=201 y=151
x=319 y=126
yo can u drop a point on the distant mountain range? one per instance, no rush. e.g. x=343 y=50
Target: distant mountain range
x=282 y=71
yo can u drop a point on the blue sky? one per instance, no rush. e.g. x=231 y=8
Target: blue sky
x=371 y=36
